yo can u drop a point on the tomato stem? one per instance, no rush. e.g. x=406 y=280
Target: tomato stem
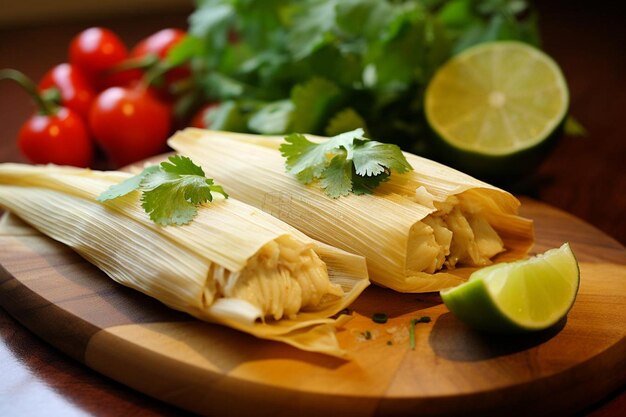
x=155 y=73
x=145 y=62
x=46 y=107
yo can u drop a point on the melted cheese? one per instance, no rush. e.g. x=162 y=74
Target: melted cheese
x=283 y=278
x=455 y=234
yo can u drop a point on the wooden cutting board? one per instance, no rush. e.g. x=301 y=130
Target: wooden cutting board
x=213 y=370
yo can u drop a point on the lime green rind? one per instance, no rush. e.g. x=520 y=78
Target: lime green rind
x=496 y=145
x=482 y=313
x=529 y=143
x=484 y=304
x=494 y=168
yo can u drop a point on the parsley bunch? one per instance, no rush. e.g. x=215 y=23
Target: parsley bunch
x=171 y=191
x=345 y=163
x=329 y=66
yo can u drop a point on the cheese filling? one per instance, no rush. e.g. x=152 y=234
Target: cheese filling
x=454 y=235
x=281 y=279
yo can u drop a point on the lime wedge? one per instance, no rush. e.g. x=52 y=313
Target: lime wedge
x=526 y=295
x=495 y=100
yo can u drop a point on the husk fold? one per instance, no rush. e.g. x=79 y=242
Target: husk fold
x=175 y=264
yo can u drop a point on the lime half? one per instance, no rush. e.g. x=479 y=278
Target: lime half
x=526 y=295
x=495 y=100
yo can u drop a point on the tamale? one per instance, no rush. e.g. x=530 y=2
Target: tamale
x=421 y=231
x=234 y=264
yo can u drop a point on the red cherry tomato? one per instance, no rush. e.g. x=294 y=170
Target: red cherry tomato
x=76 y=92
x=159 y=44
x=126 y=78
x=199 y=119
x=130 y=124
x=97 y=50
x=60 y=139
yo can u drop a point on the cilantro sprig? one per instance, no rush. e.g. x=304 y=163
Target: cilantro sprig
x=328 y=66
x=171 y=191
x=344 y=164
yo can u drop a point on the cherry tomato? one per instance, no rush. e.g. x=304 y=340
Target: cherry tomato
x=96 y=51
x=200 y=119
x=76 y=92
x=59 y=138
x=130 y=123
x=159 y=44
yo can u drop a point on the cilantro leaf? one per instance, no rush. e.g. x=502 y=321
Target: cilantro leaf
x=127 y=186
x=313 y=27
x=373 y=158
x=171 y=191
x=312 y=102
x=366 y=185
x=306 y=160
x=344 y=163
x=336 y=179
x=303 y=61
x=181 y=165
x=272 y=118
x=182 y=52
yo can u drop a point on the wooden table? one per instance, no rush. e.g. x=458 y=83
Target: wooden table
x=584 y=176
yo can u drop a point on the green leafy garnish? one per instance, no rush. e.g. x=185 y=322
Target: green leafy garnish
x=412 y=333
x=322 y=57
x=347 y=119
x=171 y=191
x=345 y=163
x=412 y=323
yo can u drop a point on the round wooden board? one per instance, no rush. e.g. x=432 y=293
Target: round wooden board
x=213 y=370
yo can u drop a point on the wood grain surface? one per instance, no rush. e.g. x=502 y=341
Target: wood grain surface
x=206 y=368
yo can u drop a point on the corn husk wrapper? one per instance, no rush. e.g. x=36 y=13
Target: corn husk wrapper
x=387 y=227
x=176 y=265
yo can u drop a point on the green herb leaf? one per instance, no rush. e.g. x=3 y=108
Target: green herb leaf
x=373 y=158
x=313 y=101
x=346 y=120
x=171 y=191
x=336 y=179
x=182 y=52
x=272 y=118
x=127 y=186
x=367 y=185
x=344 y=163
x=229 y=115
x=312 y=28
x=307 y=160
x=375 y=57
